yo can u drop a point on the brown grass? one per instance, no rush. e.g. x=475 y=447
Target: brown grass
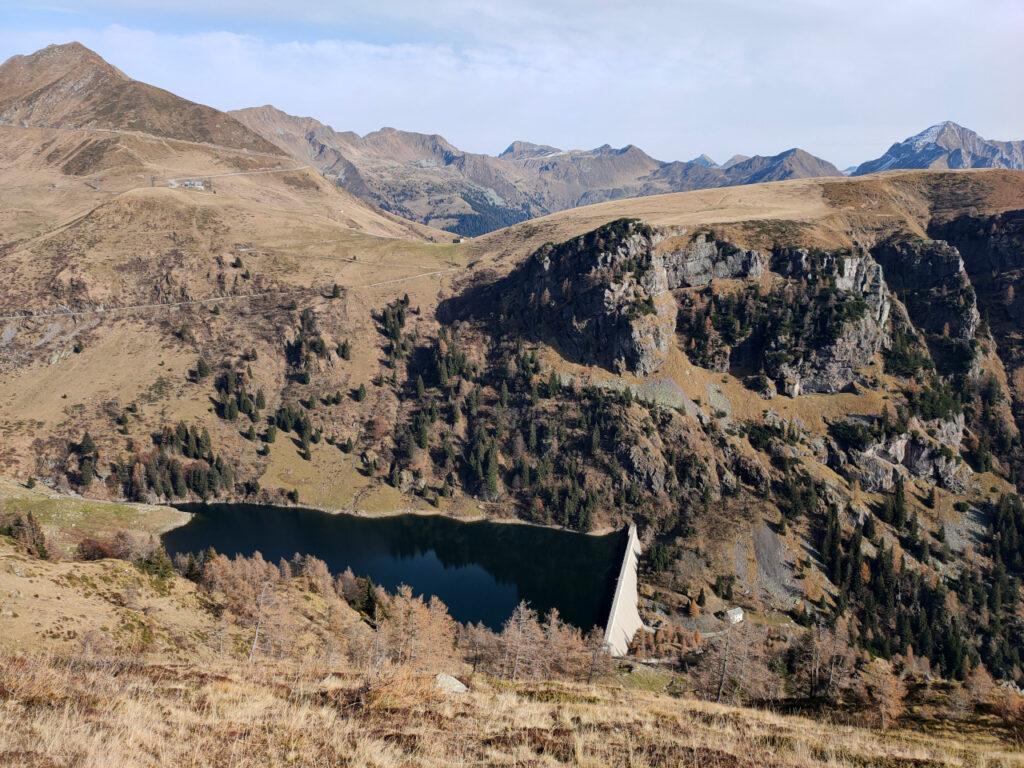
x=92 y=712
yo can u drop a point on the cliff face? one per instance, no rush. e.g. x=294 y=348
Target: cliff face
x=824 y=316
x=604 y=298
x=858 y=330
x=930 y=279
x=992 y=248
x=601 y=298
x=706 y=259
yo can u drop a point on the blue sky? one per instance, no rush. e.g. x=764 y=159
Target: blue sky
x=840 y=78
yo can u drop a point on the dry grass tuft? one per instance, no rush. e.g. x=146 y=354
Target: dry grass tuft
x=57 y=711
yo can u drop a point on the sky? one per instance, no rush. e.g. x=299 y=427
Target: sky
x=842 y=79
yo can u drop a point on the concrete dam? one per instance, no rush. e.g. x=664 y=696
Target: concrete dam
x=624 y=617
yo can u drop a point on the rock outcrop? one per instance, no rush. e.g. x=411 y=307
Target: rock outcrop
x=601 y=298
x=934 y=459
x=858 y=280
x=705 y=259
x=929 y=278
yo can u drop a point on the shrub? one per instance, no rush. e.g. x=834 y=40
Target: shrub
x=23 y=528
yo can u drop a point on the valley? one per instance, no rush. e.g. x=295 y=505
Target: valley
x=807 y=395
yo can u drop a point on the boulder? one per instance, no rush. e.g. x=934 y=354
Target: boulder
x=645 y=467
x=875 y=474
x=448 y=684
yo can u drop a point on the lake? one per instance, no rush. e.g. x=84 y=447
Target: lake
x=481 y=570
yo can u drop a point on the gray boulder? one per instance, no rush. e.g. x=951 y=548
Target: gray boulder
x=448 y=684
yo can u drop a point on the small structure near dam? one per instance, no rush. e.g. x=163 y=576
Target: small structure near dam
x=624 y=617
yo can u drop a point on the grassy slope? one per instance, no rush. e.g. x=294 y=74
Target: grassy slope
x=68 y=519
x=101 y=665
x=96 y=713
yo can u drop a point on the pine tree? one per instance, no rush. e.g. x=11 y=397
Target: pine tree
x=899 y=516
x=368 y=603
x=87 y=447
x=553 y=385
x=178 y=484
x=831 y=552
x=491 y=476
x=86 y=470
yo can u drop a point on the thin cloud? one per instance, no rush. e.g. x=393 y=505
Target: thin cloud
x=843 y=80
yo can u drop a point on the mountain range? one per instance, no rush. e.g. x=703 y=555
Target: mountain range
x=423 y=177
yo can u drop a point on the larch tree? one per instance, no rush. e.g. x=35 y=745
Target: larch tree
x=885 y=690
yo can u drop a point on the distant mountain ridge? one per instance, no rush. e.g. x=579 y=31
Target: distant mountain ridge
x=426 y=178
x=423 y=177
x=947 y=145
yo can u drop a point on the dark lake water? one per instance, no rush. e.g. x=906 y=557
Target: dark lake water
x=480 y=570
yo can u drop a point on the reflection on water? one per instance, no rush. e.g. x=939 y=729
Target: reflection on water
x=480 y=570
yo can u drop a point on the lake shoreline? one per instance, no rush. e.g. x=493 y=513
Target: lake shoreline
x=482 y=517
x=480 y=568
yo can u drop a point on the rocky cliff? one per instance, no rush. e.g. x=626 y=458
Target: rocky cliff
x=601 y=298
x=706 y=259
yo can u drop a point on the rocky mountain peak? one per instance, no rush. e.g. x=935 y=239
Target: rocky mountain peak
x=704 y=161
x=947 y=145
x=526 y=149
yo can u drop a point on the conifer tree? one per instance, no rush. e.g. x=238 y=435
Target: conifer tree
x=491 y=477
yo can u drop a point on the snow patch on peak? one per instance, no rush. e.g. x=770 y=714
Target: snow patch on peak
x=932 y=134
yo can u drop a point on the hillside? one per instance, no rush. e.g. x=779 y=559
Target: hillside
x=425 y=178
x=739 y=371
x=69 y=86
x=134 y=664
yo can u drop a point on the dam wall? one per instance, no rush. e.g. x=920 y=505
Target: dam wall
x=624 y=617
